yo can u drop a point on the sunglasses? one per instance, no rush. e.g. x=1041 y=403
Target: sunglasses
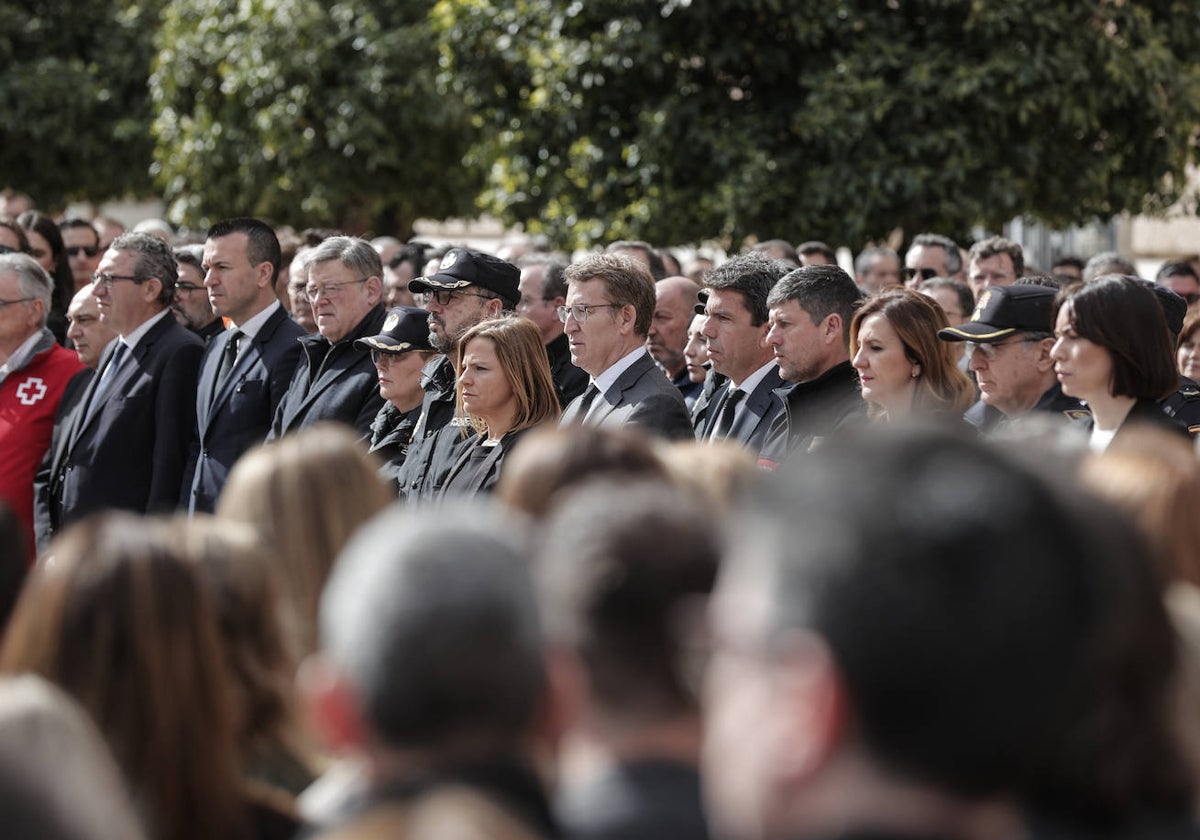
x=926 y=273
x=86 y=250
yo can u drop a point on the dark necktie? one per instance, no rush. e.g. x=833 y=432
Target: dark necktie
x=585 y=401
x=228 y=357
x=728 y=410
x=110 y=373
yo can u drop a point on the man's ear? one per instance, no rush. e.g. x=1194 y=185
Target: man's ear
x=1044 y=363
x=331 y=705
x=831 y=328
x=815 y=707
x=494 y=307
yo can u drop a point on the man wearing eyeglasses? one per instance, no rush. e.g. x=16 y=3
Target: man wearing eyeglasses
x=931 y=255
x=82 y=245
x=467 y=288
x=128 y=439
x=246 y=369
x=191 y=306
x=607 y=316
x=1008 y=341
x=34 y=375
x=334 y=379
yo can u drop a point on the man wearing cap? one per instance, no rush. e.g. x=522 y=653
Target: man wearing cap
x=610 y=304
x=399 y=354
x=246 y=370
x=335 y=380
x=468 y=287
x=1008 y=346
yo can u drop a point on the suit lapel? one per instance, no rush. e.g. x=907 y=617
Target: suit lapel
x=608 y=400
x=757 y=405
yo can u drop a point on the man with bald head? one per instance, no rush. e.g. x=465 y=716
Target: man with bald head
x=675 y=299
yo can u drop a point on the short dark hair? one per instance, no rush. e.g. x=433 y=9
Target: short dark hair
x=958 y=635
x=996 y=245
x=1125 y=318
x=262 y=245
x=1072 y=261
x=155 y=258
x=76 y=223
x=753 y=275
x=434 y=622
x=1177 y=269
x=618 y=566
x=820 y=290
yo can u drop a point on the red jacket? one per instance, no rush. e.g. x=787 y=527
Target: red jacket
x=29 y=398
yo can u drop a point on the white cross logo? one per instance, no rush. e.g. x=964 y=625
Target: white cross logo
x=31 y=390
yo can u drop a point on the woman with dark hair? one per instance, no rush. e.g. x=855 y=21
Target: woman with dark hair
x=904 y=368
x=46 y=246
x=504 y=389
x=12 y=237
x=1113 y=351
x=120 y=619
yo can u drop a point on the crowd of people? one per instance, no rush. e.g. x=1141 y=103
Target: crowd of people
x=320 y=536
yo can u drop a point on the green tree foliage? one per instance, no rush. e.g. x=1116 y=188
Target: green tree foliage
x=676 y=120
x=74 y=99
x=307 y=113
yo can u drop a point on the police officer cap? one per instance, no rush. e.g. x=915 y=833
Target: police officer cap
x=405 y=328
x=1004 y=310
x=462 y=267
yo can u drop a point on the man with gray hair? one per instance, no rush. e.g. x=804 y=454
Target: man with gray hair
x=34 y=373
x=1107 y=262
x=431 y=673
x=335 y=379
x=128 y=441
x=876 y=269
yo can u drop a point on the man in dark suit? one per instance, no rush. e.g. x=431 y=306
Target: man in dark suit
x=246 y=370
x=543 y=290
x=735 y=327
x=335 y=380
x=127 y=443
x=610 y=304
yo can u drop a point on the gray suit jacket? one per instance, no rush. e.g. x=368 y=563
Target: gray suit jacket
x=641 y=396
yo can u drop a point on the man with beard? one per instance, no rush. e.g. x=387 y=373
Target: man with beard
x=468 y=287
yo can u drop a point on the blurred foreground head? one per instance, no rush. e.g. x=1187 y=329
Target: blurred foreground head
x=914 y=631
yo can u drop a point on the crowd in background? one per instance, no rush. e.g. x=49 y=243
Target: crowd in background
x=310 y=535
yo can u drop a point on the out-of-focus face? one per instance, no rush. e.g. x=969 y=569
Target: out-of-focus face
x=400 y=378
x=884 y=272
x=1184 y=285
x=996 y=270
x=887 y=375
x=1188 y=356
x=1010 y=373
x=923 y=262
x=40 y=250
x=534 y=306
x=395 y=285
x=747 y=725
x=1069 y=271
x=673 y=315
x=1084 y=368
x=798 y=344
x=696 y=350
x=340 y=298
x=302 y=311
x=85 y=329
x=484 y=386
x=82 y=245
x=9 y=239
x=948 y=300
x=191 y=307
x=736 y=347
